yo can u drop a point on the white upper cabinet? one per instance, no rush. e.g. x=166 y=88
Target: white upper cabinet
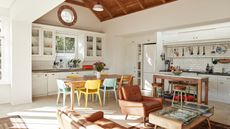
x=36 y=41
x=223 y=32
x=169 y=37
x=196 y=35
x=43 y=43
x=94 y=46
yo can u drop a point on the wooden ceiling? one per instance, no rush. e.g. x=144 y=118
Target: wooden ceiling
x=116 y=8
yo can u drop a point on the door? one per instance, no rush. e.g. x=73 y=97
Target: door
x=131 y=61
x=149 y=61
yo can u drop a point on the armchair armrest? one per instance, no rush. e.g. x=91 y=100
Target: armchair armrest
x=94 y=116
x=152 y=99
x=130 y=103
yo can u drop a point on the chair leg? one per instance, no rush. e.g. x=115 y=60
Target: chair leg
x=64 y=98
x=115 y=94
x=126 y=116
x=92 y=97
x=174 y=94
x=58 y=97
x=79 y=98
x=181 y=98
x=104 y=96
x=77 y=94
x=209 y=124
x=86 y=100
x=99 y=97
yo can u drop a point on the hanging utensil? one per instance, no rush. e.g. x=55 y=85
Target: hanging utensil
x=213 y=50
x=198 y=51
x=214 y=61
x=183 y=52
x=203 y=50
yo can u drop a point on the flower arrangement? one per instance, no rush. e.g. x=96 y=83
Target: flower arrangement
x=99 y=66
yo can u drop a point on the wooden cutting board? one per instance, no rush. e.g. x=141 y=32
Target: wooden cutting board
x=224 y=61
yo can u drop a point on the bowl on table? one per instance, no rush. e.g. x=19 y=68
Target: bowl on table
x=177 y=72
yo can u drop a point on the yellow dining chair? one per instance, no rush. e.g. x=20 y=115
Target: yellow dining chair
x=91 y=87
x=72 y=76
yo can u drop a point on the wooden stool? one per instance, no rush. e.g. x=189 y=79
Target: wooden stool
x=157 y=85
x=180 y=90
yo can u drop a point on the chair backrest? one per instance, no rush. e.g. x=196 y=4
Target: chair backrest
x=110 y=82
x=72 y=76
x=61 y=84
x=93 y=84
x=128 y=79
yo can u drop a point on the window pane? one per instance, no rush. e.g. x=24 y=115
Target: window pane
x=59 y=44
x=69 y=45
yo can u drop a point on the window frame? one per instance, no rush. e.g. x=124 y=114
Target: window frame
x=5 y=50
x=75 y=44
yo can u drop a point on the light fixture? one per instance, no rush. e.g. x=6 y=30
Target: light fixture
x=98 y=7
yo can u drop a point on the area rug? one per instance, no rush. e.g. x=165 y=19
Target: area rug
x=204 y=125
x=12 y=122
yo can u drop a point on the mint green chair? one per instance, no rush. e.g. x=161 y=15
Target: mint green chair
x=109 y=84
x=63 y=89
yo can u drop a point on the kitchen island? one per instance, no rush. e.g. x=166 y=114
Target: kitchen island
x=186 y=78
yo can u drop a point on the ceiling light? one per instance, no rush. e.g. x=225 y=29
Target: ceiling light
x=98 y=7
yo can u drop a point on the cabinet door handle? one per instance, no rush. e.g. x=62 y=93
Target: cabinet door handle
x=53 y=74
x=45 y=74
x=228 y=78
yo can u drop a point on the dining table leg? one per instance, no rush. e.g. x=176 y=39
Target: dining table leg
x=199 y=95
x=72 y=96
x=206 y=92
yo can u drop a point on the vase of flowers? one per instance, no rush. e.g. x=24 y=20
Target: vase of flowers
x=99 y=66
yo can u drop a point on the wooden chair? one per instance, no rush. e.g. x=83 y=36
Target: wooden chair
x=126 y=80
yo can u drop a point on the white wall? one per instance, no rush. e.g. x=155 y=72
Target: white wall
x=86 y=20
x=177 y=14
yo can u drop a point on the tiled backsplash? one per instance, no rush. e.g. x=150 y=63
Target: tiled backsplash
x=199 y=64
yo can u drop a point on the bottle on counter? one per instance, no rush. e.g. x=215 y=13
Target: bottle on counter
x=207 y=68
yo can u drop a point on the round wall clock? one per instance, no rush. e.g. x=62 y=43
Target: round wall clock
x=67 y=15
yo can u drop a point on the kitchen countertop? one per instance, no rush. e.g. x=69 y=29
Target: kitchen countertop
x=203 y=72
x=62 y=70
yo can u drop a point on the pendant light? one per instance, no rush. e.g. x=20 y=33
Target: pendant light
x=98 y=7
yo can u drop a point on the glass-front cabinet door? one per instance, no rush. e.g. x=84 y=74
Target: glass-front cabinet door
x=48 y=43
x=89 y=46
x=98 y=46
x=36 y=37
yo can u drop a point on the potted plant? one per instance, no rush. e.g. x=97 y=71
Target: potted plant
x=99 y=66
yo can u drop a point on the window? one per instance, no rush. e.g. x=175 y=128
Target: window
x=66 y=44
x=4 y=51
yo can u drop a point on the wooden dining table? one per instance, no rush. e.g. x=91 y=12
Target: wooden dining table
x=186 y=78
x=84 y=79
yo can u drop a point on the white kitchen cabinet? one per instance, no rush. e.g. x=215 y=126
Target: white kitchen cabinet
x=94 y=46
x=43 y=43
x=205 y=34
x=222 y=32
x=224 y=88
x=169 y=37
x=52 y=83
x=39 y=84
x=213 y=86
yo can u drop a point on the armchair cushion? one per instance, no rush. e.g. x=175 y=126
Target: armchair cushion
x=95 y=116
x=132 y=93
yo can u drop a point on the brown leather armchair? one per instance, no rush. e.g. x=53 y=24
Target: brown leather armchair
x=132 y=102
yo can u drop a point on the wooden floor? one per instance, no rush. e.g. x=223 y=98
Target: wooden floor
x=41 y=113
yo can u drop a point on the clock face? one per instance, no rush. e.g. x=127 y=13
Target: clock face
x=67 y=15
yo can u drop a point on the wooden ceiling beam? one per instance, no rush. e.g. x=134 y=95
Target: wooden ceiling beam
x=163 y=1
x=107 y=11
x=76 y=2
x=140 y=4
x=121 y=7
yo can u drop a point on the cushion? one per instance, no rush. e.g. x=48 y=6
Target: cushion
x=132 y=93
x=108 y=124
x=95 y=116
